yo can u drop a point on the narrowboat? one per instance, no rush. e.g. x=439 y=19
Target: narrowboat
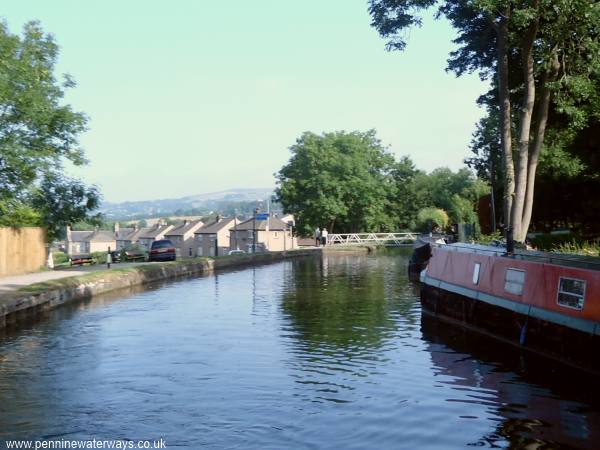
x=421 y=254
x=543 y=302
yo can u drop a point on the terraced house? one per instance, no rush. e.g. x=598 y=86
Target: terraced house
x=213 y=238
x=80 y=242
x=155 y=233
x=269 y=235
x=182 y=237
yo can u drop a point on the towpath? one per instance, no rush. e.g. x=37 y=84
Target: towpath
x=15 y=282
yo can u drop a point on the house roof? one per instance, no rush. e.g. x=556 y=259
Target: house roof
x=92 y=236
x=151 y=233
x=134 y=235
x=185 y=228
x=101 y=236
x=275 y=224
x=216 y=226
x=79 y=236
x=122 y=233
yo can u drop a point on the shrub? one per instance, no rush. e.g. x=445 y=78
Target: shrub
x=60 y=258
x=430 y=218
x=486 y=239
x=549 y=242
x=579 y=248
x=99 y=257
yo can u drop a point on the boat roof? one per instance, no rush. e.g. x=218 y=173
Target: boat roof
x=559 y=259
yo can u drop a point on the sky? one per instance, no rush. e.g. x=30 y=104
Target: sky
x=196 y=96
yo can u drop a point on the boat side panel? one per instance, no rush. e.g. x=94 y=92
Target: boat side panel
x=565 y=344
x=541 y=280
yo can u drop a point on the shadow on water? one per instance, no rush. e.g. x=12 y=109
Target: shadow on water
x=541 y=404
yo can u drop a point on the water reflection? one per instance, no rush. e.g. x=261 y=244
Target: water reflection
x=327 y=352
x=532 y=398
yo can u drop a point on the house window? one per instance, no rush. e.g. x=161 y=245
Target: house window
x=276 y=234
x=514 y=281
x=571 y=293
x=476 y=273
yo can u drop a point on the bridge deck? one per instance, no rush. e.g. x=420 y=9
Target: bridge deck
x=387 y=239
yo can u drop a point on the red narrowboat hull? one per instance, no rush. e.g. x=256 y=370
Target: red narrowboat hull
x=533 y=316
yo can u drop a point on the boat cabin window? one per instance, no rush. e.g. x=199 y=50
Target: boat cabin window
x=514 y=281
x=476 y=273
x=571 y=292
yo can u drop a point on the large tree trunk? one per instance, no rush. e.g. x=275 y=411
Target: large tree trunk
x=541 y=120
x=521 y=173
x=505 y=116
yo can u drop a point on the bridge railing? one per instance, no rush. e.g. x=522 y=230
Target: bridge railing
x=388 y=239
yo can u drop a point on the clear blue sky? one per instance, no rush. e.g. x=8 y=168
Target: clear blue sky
x=188 y=97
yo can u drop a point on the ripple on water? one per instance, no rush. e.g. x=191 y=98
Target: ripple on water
x=327 y=352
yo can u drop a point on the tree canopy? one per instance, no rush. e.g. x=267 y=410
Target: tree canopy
x=536 y=52
x=348 y=183
x=337 y=180
x=38 y=133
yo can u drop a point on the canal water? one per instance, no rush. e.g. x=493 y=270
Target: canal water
x=326 y=352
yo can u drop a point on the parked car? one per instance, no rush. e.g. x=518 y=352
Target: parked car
x=79 y=260
x=236 y=252
x=162 y=250
x=115 y=256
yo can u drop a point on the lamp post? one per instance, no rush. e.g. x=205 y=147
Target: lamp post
x=237 y=247
x=256 y=210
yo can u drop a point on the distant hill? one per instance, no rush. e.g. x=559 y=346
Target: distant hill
x=225 y=202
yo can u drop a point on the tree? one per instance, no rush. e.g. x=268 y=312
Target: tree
x=61 y=201
x=341 y=181
x=457 y=193
x=406 y=198
x=538 y=51
x=430 y=218
x=37 y=135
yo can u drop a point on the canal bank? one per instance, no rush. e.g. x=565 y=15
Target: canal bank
x=37 y=298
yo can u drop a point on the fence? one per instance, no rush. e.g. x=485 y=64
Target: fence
x=22 y=250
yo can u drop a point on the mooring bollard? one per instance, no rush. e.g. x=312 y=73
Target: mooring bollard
x=108 y=258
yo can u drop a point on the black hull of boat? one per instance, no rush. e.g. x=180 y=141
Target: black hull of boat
x=567 y=345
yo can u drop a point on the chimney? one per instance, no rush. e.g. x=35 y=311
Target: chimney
x=219 y=218
x=185 y=222
x=117 y=227
x=68 y=233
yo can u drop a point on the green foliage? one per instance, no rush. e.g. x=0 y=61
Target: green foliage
x=37 y=135
x=349 y=183
x=60 y=258
x=340 y=181
x=61 y=200
x=486 y=239
x=14 y=213
x=98 y=257
x=548 y=242
x=428 y=219
x=560 y=38
x=456 y=193
x=461 y=210
x=591 y=248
